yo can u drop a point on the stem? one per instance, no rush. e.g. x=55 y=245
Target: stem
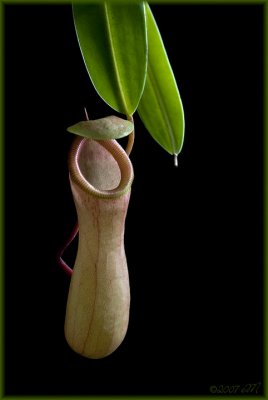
x=131 y=137
x=86 y=114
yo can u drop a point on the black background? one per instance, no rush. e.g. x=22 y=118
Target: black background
x=193 y=233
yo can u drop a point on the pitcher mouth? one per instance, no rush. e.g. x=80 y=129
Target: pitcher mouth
x=108 y=175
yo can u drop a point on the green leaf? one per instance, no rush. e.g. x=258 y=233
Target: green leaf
x=160 y=107
x=113 y=41
x=106 y=128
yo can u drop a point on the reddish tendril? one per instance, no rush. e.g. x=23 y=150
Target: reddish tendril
x=61 y=262
x=75 y=230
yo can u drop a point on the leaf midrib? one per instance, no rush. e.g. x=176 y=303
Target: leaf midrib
x=117 y=75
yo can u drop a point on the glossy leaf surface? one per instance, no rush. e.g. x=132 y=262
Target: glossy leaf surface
x=106 y=128
x=113 y=41
x=160 y=107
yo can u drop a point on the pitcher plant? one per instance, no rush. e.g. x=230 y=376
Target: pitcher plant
x=127 y=63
